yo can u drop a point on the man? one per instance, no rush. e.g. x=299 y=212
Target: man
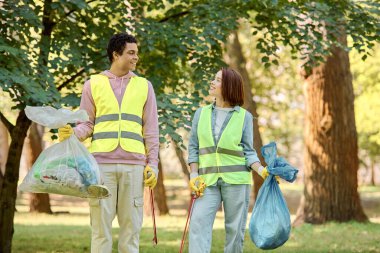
x=123 y=123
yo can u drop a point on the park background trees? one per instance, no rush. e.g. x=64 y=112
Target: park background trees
x=50 y=47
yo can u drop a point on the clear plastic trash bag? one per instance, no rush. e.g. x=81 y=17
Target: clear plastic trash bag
x=269 y=226
x=67 y=167
x=54 y=118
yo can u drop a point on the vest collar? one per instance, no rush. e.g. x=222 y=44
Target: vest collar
x=236 y=107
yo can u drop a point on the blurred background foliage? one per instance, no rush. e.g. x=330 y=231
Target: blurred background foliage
x=49 y=48
x=46 y=61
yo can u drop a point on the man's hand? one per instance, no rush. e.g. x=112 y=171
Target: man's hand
x=197 y=184
x=150 y=178
x=65 y=132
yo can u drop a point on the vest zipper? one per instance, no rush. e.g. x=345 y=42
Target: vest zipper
x=121 y=102
x=217 y=159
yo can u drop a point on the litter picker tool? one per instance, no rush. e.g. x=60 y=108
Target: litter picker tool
x=193 y=197
x=154 y=240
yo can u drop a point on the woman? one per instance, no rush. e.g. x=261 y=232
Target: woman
x=221 y=158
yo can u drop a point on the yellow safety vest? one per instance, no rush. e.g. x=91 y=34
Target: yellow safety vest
x=116 y=124
x=226 y=158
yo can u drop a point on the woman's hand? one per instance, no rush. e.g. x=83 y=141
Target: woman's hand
x=197 y=184
x=264 y=174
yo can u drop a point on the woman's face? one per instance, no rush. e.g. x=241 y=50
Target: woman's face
x=216 y=85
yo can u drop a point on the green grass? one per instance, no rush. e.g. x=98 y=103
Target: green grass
x=71 y=233
x=369 y=188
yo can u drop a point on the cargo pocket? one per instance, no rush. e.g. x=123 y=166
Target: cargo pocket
x=139 y=201
x=138 y=213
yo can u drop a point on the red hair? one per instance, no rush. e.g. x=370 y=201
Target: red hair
x=232 y=87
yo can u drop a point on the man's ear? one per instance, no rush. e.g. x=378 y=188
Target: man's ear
x=115 y=55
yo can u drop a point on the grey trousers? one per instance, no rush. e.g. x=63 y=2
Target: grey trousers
x=235 y=200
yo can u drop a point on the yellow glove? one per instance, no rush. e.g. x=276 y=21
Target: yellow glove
x=64 y=132
x=264 y=174
x=150 y=179
x=197 y=186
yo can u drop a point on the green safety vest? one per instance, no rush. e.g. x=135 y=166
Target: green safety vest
x=116 y=124
x=226 y=158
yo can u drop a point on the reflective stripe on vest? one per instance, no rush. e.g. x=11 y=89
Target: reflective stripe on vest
x=226 y=159
x=116 y=124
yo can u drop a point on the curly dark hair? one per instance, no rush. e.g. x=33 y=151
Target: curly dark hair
x=117 y=44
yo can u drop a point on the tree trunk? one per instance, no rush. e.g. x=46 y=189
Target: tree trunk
x=4 y=147
x=372 y=172
x=160 y=193
x=238 y=62
x=8 y=182
x=184 y=165
x=38 y=202
x=331 y=150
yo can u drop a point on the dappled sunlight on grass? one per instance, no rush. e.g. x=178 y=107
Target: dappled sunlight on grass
x=26 y=218
x=369 y=188
x=68 y=230
x=71 y=233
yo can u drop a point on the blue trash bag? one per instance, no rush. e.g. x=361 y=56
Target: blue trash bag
x=269 y=226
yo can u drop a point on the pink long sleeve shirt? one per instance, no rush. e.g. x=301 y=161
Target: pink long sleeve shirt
x=83 y=130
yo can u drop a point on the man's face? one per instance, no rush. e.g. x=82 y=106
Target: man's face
x=129 y=58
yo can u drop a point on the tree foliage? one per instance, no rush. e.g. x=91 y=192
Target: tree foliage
x=367 y=104
x=48 y=45
x=47 y=57
x=302 y=26
x=277 y=90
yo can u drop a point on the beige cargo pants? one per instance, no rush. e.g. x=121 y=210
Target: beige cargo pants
x=125 y=182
